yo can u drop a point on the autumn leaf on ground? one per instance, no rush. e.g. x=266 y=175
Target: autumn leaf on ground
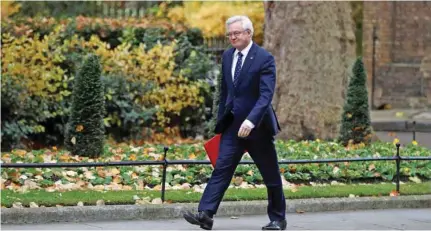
x=64 y=157
x=300 y=211
x=394 y=193
x=19 y=152
x=132 y=157
x=192 y=156
x=371 y=167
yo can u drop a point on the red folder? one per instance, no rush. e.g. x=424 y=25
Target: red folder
x=212 y=147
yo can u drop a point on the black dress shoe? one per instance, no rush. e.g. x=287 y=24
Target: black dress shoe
x=202 y=219
x=275 y=225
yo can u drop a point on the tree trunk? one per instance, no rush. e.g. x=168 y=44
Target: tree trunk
x=314 y=47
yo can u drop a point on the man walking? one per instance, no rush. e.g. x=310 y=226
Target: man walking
x=246 y=121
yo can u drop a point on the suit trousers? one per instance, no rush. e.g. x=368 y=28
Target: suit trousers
x=264 y=155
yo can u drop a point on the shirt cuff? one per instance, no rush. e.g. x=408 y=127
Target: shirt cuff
x=249 y=124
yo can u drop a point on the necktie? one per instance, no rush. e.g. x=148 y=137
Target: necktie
x=237 y=69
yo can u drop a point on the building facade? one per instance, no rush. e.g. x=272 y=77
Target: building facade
x=402 y=52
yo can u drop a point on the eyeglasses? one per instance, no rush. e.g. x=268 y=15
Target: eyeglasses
x=235 y=33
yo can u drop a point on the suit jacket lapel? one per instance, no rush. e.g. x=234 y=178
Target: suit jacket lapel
x=247 y=63
x=228 y=69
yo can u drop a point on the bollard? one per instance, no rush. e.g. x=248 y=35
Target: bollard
x=414 y=130
x=165 y=165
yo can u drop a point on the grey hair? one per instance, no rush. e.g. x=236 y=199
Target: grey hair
x=246 y=22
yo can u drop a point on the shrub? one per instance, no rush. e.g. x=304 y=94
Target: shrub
x=177 y=68
x=34 y=88
x=356 y=123
x=127 y=115
x=85 y=130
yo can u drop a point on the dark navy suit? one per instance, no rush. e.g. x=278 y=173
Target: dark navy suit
x=249 y=99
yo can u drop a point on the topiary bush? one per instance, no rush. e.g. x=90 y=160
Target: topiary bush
x=85 y=130
x=356 y=122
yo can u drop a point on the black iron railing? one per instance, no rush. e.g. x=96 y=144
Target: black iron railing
x=165 y=162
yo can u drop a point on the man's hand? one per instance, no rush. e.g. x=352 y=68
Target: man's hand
x=245 y=128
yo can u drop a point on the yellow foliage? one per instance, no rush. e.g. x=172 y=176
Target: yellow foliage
x=171 y=94
x=34 y=64
x=210 y=16
x=31 y=63
x=9 y=8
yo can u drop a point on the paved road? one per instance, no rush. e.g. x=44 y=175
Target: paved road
x=424 y=139
x=401 y=219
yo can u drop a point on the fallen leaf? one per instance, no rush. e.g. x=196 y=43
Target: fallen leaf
x=132 y=157
x=192 y=156
x=17 y=205
x=415 y=179
x=100 y=202
x=300 y=211
x=394 y=193
x=156 y=201
x=134 y=175
x=19 y=152
x=371 y=167
x=79 y=128
x=115 y=171
x=73 y=140
x=117 y=157
x=33 y=205
x=233 y=217
x=64 y=157
x=80 y=203
x=101 y=173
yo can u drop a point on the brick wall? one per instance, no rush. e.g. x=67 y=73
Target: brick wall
x=404 y=37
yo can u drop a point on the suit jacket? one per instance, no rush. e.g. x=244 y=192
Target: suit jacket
x=251 y=98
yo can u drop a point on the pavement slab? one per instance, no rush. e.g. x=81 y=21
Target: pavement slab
x=384 y=219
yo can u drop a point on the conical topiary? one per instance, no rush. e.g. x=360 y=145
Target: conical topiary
x=85 y=129
x=356 y=123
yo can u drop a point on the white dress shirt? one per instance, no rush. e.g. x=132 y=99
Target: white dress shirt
x=235 y=59
x=244 y=55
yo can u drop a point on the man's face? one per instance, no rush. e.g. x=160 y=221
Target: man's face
x=238 y=37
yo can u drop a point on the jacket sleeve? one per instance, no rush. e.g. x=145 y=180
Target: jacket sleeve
x=266 y=86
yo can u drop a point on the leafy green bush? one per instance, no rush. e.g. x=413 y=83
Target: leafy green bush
x=127 y=117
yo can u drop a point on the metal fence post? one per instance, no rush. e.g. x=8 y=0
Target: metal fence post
x=398 y=161
x=414 y=130
x=165 y=165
